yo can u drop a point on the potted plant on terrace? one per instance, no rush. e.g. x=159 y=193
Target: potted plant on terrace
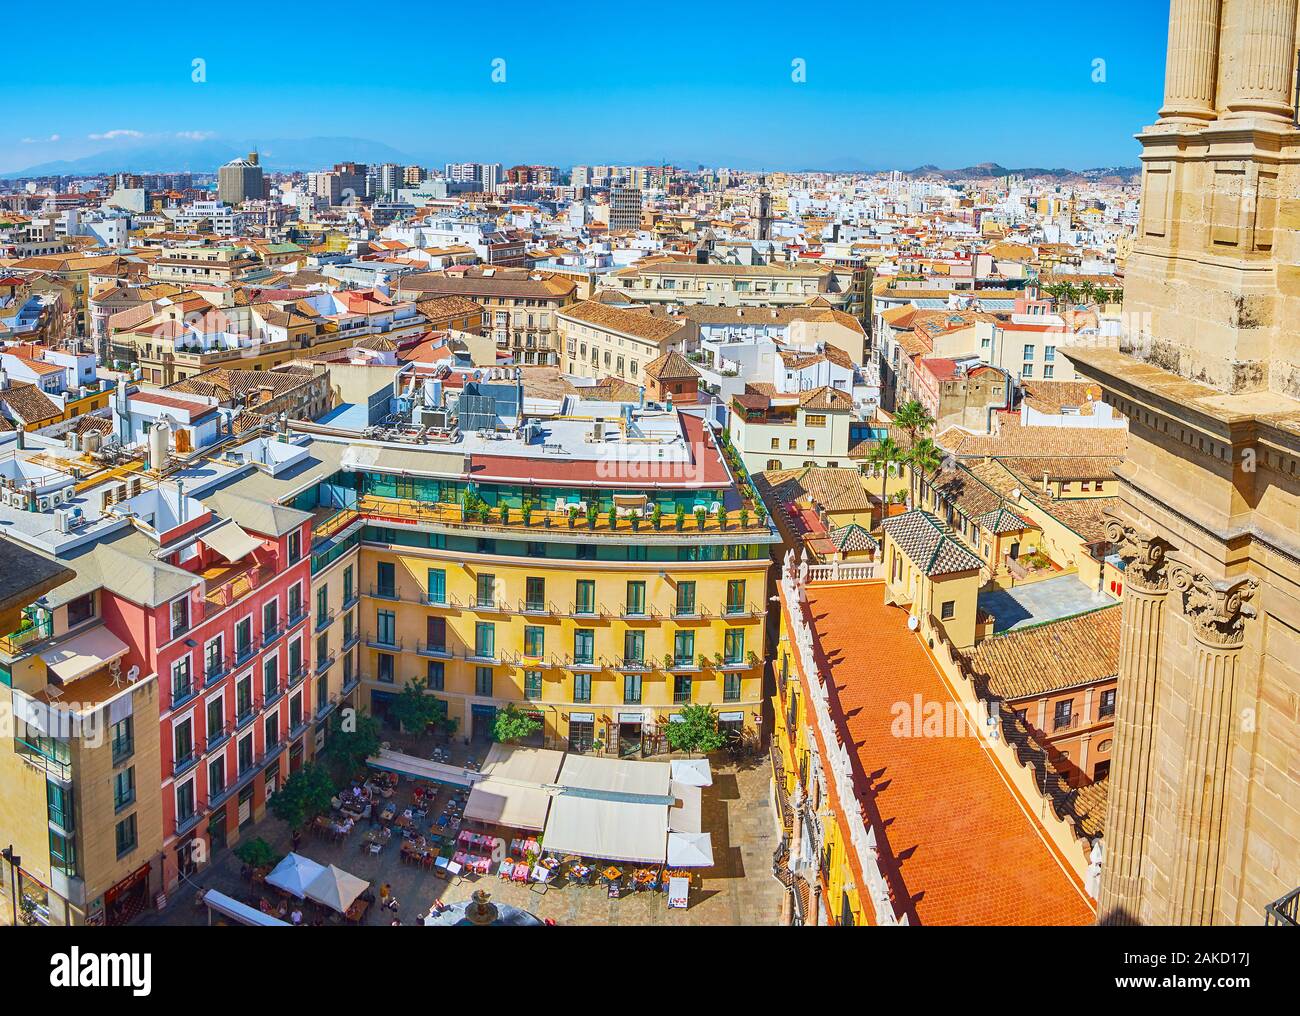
x=701 y=516
x=574 y=512
x=681 y=516
x=592 y=514
x=657 y=515
x=612 y=516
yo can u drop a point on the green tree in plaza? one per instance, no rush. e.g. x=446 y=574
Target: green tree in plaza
x=353 y=738
x=697 y=731
x=305 y=795
x=415 y=710
x=257 y=853
x=513 y=724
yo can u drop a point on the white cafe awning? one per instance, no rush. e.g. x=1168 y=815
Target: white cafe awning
x=231 y=542
x=694 y=772
x=336 y=888
x=241 y=912
x=684 y=815
x=690 y=850
x=84 y=654
x=511 y=792
x=294 y=874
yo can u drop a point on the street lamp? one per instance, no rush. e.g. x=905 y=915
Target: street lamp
x=14 y=861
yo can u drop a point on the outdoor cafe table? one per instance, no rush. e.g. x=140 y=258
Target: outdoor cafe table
x=611 y=873
x=358 y=909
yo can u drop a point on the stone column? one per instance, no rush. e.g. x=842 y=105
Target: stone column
x=1145 y=591
x=1258 y=47
x=1217 y=615
x=1192 y=70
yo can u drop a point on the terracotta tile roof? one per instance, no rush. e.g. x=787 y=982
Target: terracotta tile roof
x=28 y=403
x=671 y=366
x=1052 y=396
x=957 y=845
x=1001 y=521
x=639 y=323
x=611 y=389
x=1029 y=470
x=1091 y=803
x=835 y=490
x=826 y=397
x=852 y=537
x=930 y=544
x=1085 y=516
x=1066 y=653
x=1014 y=440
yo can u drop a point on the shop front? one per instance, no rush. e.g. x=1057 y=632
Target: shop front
x=582 y=732
x=128 y=898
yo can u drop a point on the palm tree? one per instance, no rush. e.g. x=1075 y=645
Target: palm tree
x=1088 y=290
x=884 y=455
x=1069 y=294
x=924 y=457
x=914 y=418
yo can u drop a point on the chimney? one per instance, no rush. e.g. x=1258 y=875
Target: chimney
x=4 y=380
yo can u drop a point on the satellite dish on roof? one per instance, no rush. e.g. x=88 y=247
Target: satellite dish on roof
x=913 y=623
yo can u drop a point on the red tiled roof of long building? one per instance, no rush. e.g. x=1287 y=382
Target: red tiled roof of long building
x=959 y=845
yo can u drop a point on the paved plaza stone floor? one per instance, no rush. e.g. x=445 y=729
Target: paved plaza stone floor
x=738 y=890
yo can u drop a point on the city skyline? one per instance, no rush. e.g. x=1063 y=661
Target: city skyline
x=777 y=102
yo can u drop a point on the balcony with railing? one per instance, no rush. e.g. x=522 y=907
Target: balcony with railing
x=183 y=691
x=187 y=820
x=381 y=509
x=297 y=615
x=35 y=627
x=218 y=737
x=271 y=634
x=185 y=762
x=214 y=670
x=380 y=592
x=227 y=585
x=387 y=641
x=1284 y=913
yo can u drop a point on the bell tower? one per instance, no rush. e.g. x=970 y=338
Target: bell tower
x=1204 y=814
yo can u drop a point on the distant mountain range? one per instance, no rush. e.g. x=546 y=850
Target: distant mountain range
x=181 y=155
x=992 y=171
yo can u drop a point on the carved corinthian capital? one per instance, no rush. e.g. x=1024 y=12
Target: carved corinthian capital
x=1218 y=611
x=1143 y=554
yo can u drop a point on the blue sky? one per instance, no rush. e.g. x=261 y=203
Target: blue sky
x=887 y=85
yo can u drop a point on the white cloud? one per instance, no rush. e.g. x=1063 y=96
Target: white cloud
x=114 y=135
x=40 y=141
x=194 y=135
